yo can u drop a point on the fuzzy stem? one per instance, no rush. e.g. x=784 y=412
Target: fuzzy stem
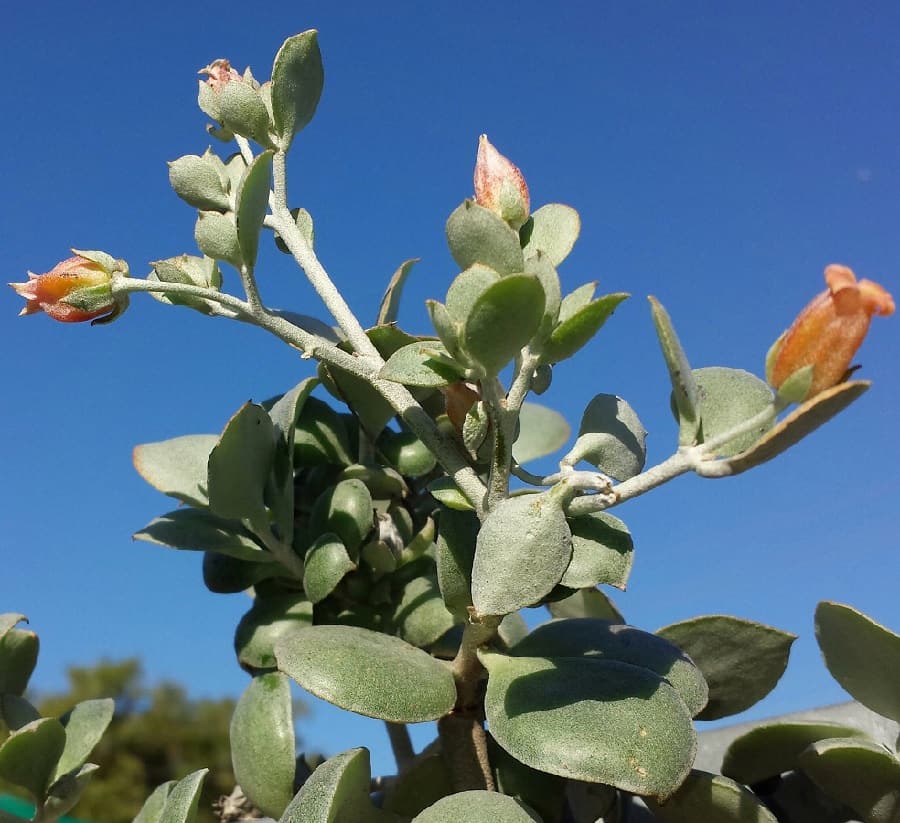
x=401 y=744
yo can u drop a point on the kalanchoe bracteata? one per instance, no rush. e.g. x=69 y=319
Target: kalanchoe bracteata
x=76 y=289
x=219 y=72
x=828 y=332
x=499 y=185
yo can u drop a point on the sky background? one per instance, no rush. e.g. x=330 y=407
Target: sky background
x=720 y=156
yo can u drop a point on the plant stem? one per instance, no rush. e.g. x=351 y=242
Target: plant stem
x=251 y=290
x=401 y=744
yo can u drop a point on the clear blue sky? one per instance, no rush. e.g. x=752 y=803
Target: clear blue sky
x=720 y=156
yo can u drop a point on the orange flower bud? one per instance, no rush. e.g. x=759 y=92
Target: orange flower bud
x=74 y=290
x=828 y=332
x=499 y=185
x=219 y=72
x=459 y=397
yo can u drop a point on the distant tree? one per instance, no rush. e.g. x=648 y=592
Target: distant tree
x=158 y=733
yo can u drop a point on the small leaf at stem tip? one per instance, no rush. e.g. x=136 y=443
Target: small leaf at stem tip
x=477 y=235
x=389 y=309
x=576 y=331
x=556 y=228
x=683 y=386
x=297 y=80
x=216 y=236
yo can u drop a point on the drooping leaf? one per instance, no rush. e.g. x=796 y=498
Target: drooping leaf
x=389 y=309
x=457 y=533
x=741 y=660
x=177 y=467
x=611 y=437
x=859 y=773
x=327 y=562
x=774 y=748
x=617 y=724
x=28 y=757
x=262 y=743
x=240 y=463
x=477 y=235
x=367 y=672
x=84 y=725
x=602 y=552
x=522 y=550
x=556 y=228
x=183 y=798
x=477 y=806
x=862 y=655
x=268 y=618
x=575 y=331
x=604 y=640
x=684 y=387
x=200 y=530
x=503 y=320
x=542 y=431
x=297 y=80
x=252 y=202
x=711 y=798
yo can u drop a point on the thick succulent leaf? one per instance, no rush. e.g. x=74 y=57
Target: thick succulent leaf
x=541 y=268
x=477 y=806
x=522 y=550
x=862 y=655
x=859 y=773
x=446 y=492
x=321 y=437
x=327 y=562
x=345 y=509
x=742 y=660
x=389 y=310
x=542 y=431
x=216 y=236
x=602 y=721
x=424 y=363
x=574 y=332
x=611 y=437
x=421 y=616
x=503 y=320
x=152 y=809
x=423 y=783
x=602 y=552
x=240 y=463
x=225 y=575
x=18 y=657
x=28 y=757
x=200 y=530
x=576 y=300
x=406 y=453
x=586 y=603
x=262 y=743
x=477 y=235
x=196 y=181
x=545 y=793
x=177 y=467
x=16 y=712
x=711 y=798
x=804 y=420
x=367 y=672
x=268 y=618
x=252 y=202
x=183 y=799
x=9 y=620
x=604 y=640
x=774 y=748
x=243 y=111
x=84 y=725
x=685 y=393
x=555 y=230
x=337 y=792
x=66 y=791
x=297 y=80
x=457 y=533
x=725 y=399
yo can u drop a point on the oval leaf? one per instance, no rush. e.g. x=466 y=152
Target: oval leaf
x=18 y=657
x=181 y=802
x=28 y=757
x=84 y=725
x=216 y=236
x=586 y=603
x=712 y=799
x=555 y=230
x=199 y=530
x=615 y=723
x=605 y=640
x=327 y=562
x=602 y=552
x=611 y=437
x=574 y=332
x=741 y=660
x=421 y=616
x=267 y=619
x=477 y=807
x=262 y=743
x=421 y=364
x=252 y=202
x=542 y=431
x=153 y=806
x=684 y=387
x=367 y=672
x=457 y=533
x=862 y=655
x=477 y=235
x=196 y=181
x=521 y=552
x=727 y=398
x=177 y=467
x=297 y=80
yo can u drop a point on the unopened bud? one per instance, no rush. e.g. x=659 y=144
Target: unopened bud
x=499 y=185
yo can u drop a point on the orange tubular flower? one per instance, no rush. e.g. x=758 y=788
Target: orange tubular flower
x=74 y=290
x=828 y=332
x=499 y=185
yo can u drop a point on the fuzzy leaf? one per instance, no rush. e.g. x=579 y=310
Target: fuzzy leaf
x=297 y=80
x=556 y=228
x=216 y=236
x=477 y=806
x=242 y=111
x=741 y=660
x=18 y=657
x=712 y=799
x=602 y=552
x=268 y=618
x=252 y=202
x=152 y=809
x=84 y=725
x=196 y=181
x=177 y=467
x=862 y=655
x=367 y=672
x=262 y=743
x=327 y=562
x=586 y=603
x=684 y=387
x=523 y=548
x=477 y=235
x=574 y=332
x=727 y=398
x=542 y=431
x=183 y=799
x=611 y=437
x=423 y=363
x=200 y=530
x=618 y=724
x=421 y=616
x=389 y=309
x=28 y=757
x=457 y=533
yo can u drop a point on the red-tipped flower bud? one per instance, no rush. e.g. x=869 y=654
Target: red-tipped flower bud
x=76 y=289
x=219 y=72
x=828 y=332
x=499 y=185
